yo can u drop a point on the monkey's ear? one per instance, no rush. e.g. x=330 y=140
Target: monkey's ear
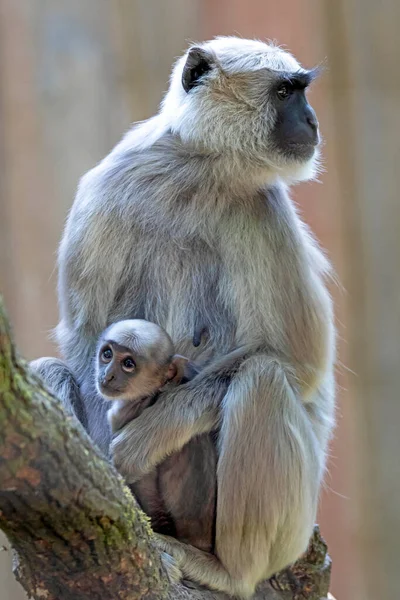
x=198 y=62
x=181 y=370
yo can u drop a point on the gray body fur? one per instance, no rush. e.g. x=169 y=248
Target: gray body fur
x=188 y=223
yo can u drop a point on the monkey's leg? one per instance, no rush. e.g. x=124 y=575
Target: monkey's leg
x=148 y=494
x=269 y=472
x=62 y=383
x=188 y=485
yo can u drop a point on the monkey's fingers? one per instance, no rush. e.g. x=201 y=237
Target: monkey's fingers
x=171 y=546
x=172 y=570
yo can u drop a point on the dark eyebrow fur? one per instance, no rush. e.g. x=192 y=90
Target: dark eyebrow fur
x=301 y=79
x=119 y=347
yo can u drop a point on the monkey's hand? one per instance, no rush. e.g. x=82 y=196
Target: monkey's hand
x=171 y=567
x=178 y=416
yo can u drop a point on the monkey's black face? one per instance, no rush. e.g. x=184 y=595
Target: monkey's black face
x=116 y=367
x=296 y=129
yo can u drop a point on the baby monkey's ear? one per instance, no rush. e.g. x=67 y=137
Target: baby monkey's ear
x=181 y=370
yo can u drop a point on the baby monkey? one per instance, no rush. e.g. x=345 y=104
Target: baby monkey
x=135 y=361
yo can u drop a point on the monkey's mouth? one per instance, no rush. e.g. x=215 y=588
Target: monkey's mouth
x=108 y=391
x=300 y=150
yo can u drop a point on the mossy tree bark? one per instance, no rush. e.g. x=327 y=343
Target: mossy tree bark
x=76 y=532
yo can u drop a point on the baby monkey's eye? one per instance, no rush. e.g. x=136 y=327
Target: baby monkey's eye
x=284 y=91
x=128 y=364
x=106 y=354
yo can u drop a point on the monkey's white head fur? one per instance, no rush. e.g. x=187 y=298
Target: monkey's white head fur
x=231 y=112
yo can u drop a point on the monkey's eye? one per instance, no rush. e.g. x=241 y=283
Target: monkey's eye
x=106 y=354
x=284 y=91
x=128 y=364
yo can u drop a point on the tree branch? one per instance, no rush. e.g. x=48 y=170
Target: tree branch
x=76 y=531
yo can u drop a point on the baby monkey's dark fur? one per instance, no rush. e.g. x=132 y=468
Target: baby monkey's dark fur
x=135 y=360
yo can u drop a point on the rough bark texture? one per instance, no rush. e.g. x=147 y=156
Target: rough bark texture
x=76 y=532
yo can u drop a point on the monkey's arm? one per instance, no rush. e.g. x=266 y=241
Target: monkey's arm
x=124 y=411
x=177 y=417
x=90 y=276
x=95 y=269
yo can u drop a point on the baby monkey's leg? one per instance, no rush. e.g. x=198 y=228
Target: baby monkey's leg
x=188 y=485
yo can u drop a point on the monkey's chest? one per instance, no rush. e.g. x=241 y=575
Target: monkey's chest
x=212 y=300
x=248 y=281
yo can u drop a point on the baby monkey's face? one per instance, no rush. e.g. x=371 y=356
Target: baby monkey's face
x=122 y=374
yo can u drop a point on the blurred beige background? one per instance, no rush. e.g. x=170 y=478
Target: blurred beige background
x=74 y=74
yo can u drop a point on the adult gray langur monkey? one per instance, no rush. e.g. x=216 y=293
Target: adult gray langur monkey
x=188 y=223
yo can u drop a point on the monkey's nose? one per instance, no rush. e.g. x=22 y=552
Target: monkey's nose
x=311 y=118
x=107 y=378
